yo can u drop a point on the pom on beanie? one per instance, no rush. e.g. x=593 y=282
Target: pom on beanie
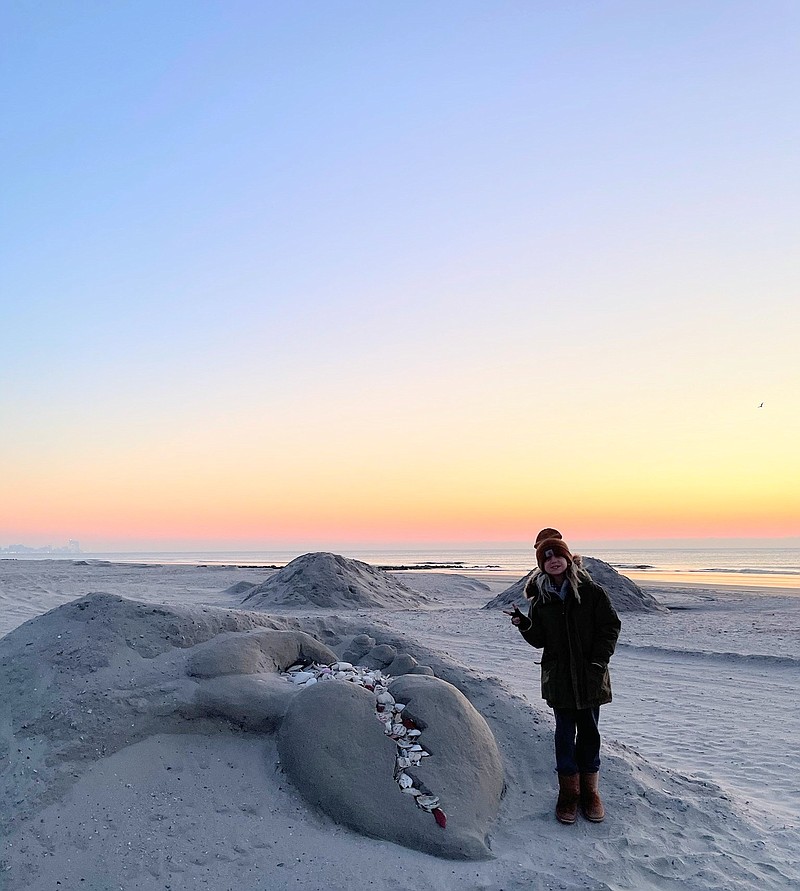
x=546 y=533
x=552 y=547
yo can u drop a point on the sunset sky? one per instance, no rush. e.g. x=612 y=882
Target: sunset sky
x=314 y=273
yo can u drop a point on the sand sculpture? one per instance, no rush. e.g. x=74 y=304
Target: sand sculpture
x=445 y=761
x=103 y=672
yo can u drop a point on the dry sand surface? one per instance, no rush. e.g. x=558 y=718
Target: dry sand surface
x=140 y=730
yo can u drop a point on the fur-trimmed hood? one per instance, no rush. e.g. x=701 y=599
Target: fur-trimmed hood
x=540 y=586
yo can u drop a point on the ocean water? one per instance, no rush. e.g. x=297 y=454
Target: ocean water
x=757 y=567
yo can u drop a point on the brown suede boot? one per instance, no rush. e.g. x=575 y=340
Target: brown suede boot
x=569 y=791
x=591 y=805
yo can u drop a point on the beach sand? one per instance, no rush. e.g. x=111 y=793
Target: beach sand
x=141 y=792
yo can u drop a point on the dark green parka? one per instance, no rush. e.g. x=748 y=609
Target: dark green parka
x=578 y=635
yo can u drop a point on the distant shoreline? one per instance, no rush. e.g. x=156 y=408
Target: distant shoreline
x=729 y=581
x=650 y=580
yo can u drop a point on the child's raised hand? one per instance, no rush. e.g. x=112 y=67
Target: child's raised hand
x=517 y=617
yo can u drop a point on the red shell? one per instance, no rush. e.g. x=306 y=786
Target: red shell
x=440 y=816
x=409 y=724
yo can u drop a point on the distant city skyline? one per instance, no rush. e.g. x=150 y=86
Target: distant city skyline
x=71 y=547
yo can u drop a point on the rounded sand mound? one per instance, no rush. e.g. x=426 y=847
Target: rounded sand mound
x=237 y=589
x=338 y=756
x=103 y=673
x=626 y=595
x=330 y=581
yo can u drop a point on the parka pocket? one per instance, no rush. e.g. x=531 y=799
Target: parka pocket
x=598 y=682
x=548 y=663
x=548 y=667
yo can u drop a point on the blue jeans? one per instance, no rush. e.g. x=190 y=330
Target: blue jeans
x=577 y=740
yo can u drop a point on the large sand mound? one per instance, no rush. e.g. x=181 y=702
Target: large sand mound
x=625 y=594
x=103 y=673
x=330 y=581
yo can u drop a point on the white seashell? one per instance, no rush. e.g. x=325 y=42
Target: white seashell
x=405 y=744
x=300 y=677
x=411 y=791
x=310 y=681
x=385 y=698
x=297 y=667
x=342 y=666
x=416 y=747
x=405 y=781
x=427 y=802
x=399 y=706
x=398 y=730
x=413 y=733
x=413 y=759
x=403 y=762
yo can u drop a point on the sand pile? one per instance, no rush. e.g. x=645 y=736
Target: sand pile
x=239 y=589
x=328 y=581
x=103 y=673
x=625 y=594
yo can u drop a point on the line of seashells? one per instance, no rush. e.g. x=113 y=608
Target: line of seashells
x=396 y=726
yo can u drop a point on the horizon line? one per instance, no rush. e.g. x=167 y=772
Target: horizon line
x=577 y=543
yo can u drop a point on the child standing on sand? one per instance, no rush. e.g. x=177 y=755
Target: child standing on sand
x=572 y=618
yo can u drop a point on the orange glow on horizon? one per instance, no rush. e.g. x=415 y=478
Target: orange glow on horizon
x=634 y=483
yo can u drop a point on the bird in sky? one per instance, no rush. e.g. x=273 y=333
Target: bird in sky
x=762 y=405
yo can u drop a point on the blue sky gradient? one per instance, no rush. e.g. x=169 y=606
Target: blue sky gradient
x=371 y=242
